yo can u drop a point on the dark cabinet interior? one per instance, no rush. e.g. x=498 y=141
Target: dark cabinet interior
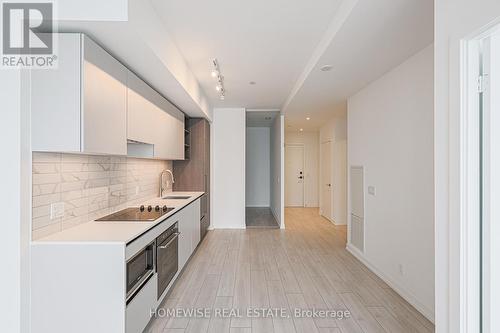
x=193 y=174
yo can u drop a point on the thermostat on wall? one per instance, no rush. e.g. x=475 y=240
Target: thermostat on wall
x=371 y=190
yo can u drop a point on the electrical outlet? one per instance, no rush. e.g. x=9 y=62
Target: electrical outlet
x=401 y=271
x=56 y=210
x=372 y=190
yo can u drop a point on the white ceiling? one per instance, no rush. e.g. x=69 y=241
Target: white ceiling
x=266 y=41
x=376 y=37
x=278 y=44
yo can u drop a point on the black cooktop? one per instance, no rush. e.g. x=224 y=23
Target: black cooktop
x=138 y=214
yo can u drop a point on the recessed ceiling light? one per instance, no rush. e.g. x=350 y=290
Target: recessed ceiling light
x=326 y=68
x=252 y=83
x=308 y=118
x=215 y=73
x=302 y=130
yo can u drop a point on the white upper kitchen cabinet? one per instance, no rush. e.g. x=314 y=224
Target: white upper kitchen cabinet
x=153 y=120
x=81 y=106
x=171 y=143
x=142 y=115
x=104 y=116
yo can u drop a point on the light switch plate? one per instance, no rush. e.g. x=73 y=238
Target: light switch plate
x=56 y=210
x=372 y=190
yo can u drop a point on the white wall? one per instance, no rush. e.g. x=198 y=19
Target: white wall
x=335 y=131
x=278 y=170
x=454 y=20
x=258 y=166
x=228 y=168
x=14 y=201
x=10 y=238
x=390 y=133
x=310 y=140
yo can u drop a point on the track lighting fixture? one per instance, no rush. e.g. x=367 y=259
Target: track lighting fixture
x=220 y=79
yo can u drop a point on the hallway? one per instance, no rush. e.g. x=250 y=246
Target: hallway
x=260 y=217
x=304 y=266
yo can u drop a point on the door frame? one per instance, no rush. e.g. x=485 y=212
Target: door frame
x=474 y=311
x=321 y=159
x=469 y=282
x=298 y=145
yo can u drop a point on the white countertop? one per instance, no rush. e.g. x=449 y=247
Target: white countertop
x=119 y=232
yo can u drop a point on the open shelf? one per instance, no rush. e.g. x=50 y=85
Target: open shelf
x=187 y=139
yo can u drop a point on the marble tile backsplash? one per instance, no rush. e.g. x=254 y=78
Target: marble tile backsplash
x=89 y=187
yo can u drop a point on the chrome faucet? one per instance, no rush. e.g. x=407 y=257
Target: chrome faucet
x=162 y=189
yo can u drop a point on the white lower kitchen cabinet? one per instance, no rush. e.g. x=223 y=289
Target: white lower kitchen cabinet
x=78 y=288
x=185 y=248
x=138 y=311
x=79 y=284
x=189 y=228
x=195 y=221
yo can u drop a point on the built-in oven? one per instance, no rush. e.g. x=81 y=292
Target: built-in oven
x=139 y=269
x=167 y=260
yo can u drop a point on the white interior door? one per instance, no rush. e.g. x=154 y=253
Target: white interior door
x=294 y=176
x=326 y=180
x=339 y=182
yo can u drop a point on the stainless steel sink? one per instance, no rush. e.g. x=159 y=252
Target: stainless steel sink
x=177 y=197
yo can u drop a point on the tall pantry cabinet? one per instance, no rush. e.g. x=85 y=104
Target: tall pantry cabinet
x=193 y=174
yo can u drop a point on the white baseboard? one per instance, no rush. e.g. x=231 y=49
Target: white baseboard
x=228 y=228
x=333 y=221
x=409 y=297
x=330 y=219
x=338 y=223
x=258 y=206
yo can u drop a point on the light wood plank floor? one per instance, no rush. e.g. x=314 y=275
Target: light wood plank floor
x=305 y=266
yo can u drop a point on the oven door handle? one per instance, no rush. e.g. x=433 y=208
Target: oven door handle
x=170 y=241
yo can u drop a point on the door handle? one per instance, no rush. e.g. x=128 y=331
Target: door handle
x=170 y=241
x=329 y=185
